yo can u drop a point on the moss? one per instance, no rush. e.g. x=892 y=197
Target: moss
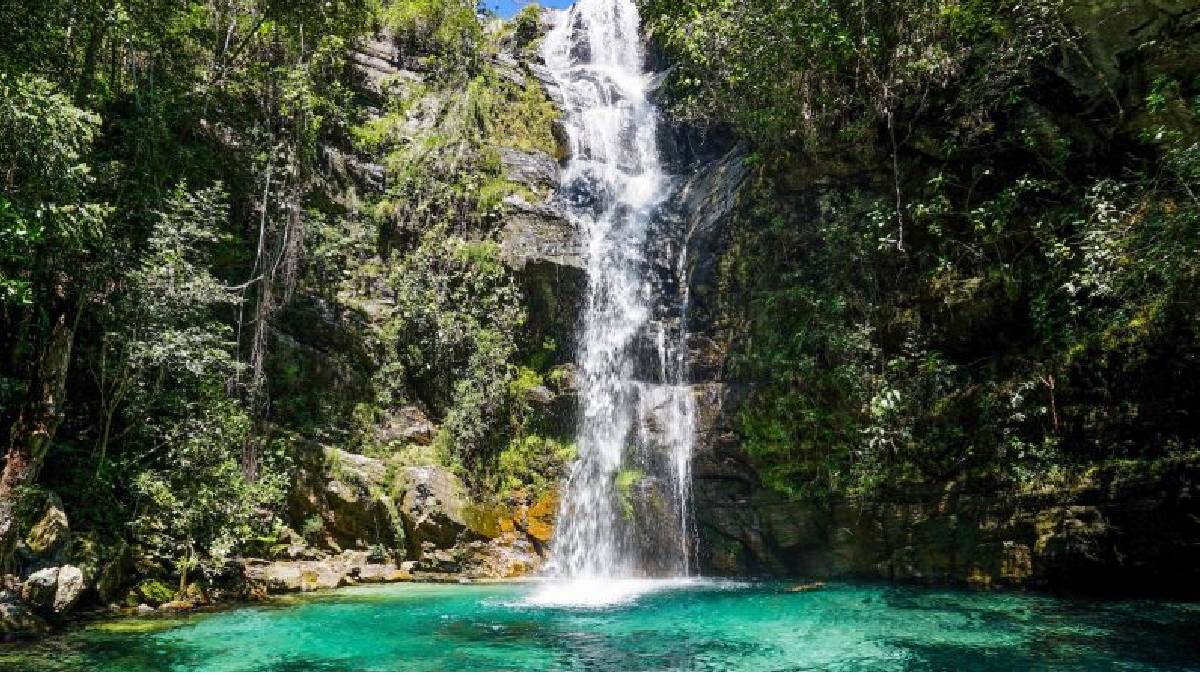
x=134 y=625
x=526 y=121
x=152 y=592
x=525 y=26
x=533 y=463
x=313 y=526
x=526 y=380
x=625 y=482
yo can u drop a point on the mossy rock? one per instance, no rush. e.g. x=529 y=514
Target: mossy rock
x=51 y=533
x=153 y=592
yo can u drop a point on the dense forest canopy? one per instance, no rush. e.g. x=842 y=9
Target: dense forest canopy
x=971 y=248
x=172 y=204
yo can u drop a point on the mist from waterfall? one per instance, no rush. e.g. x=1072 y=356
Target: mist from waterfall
x=625 y=506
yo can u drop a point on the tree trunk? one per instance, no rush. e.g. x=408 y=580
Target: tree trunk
x=91 y=56
x=34 y=429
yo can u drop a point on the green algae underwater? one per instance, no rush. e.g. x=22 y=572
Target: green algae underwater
x=700 y=625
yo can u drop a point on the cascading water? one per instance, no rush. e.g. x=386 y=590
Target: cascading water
x=625 y=506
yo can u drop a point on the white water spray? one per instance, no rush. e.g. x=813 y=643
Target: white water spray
x=625 y=507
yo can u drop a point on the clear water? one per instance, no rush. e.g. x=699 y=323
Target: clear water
x=699 y=626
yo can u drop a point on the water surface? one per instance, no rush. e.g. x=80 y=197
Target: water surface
x=709 y=626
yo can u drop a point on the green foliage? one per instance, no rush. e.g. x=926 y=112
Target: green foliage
x=196 y=505
x=534 y=463
x=813 y=70
x=526 y=120
x=152 y=591
x=626 y=480
x=446 y=32
x=526 y=25
x=939 y=272
x=156 y=183
x=313 y=526
x=457 y=314
x=45 y=223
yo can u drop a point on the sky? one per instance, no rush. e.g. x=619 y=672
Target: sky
x=507 y=8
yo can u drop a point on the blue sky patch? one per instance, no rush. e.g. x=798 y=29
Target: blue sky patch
x=507 y=8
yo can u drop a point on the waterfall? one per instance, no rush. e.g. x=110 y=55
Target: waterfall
x=625 y=506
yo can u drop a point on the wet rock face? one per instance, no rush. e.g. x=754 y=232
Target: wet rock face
x=546 y=252
x=536 y=170
x=1115 y=33
x=708 y=200
x=1105 y=532
x=1100 y=533
x=345 y=494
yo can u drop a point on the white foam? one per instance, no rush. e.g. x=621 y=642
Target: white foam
x=599 y=592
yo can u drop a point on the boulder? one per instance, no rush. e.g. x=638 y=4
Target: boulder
x=50 y=534
x=54 y=590
x=379 y=573
x=104 y=566
x=176 y=606
x=434 y=506
x=40 y=588
x=70 y=587
x=16 y=619
x=348 y=494
x=408 y=425
x=297 y=576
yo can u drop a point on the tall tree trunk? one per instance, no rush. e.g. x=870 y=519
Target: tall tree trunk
x=97 y=29
x=38 y=420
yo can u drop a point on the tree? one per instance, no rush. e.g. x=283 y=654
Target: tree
x=44 y=139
